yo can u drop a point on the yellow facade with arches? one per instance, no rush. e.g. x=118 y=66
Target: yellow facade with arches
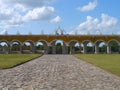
x=68 y=40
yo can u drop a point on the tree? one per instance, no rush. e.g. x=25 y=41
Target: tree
x=115 y=47
x=15 y=47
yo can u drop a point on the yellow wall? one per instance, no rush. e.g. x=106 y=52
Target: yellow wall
x=65 y=38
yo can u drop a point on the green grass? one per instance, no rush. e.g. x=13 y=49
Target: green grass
x=109 y=62
x=11 y=60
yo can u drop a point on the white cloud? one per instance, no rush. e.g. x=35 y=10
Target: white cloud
x=94 y=25
x=17 y=19
x=56 y=19
x=107 y=21
x=29 y=3
x=43 y=13
x=20 y=8
x=13 y=13
x=3 y=32
x=89 y=7
x=5 y=12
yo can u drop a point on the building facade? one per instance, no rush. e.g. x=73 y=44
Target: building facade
x=68 y=43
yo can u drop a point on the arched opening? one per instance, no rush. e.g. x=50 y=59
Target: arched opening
x=41 y=47
x=88 y=47
x=16 y=47
x=58 y=47
x=28 y=47
x=4 y=47
x=77 y=48
x=74 y=47
x=82 y=48
x=113 y=46
x=100 y=47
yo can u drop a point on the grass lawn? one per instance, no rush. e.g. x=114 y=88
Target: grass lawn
x=109 y=62
x=11 y=60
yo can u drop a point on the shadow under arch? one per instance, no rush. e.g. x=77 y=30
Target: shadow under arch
x=28 y=46
x=100 y=47
x=16 y=46
x=58 y=46
x=113 y=46
x=41 y=47
x=88 y=47
x=4 y=47
x=74 y=47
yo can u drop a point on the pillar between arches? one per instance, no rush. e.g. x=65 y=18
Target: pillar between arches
x=32 y=48
x=9 y=49
x=108 y=49
x=72 y=50
x=21 y=51
x=64 y=49
x=84 y=48
x=96 y=49
x=47 y=49
x=53 y=49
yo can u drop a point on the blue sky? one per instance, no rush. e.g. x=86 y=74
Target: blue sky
x=74 y=16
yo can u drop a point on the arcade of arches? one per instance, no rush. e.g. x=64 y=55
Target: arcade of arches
x=60 y=44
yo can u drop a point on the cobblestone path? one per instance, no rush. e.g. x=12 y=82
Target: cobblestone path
x=57 y=72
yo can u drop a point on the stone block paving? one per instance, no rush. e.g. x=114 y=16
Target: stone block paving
x=57 y=72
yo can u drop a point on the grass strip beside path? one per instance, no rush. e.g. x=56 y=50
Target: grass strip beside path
x=109 y=62
x=11 y=60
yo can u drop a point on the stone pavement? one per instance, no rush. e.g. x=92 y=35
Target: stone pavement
x=57 y=72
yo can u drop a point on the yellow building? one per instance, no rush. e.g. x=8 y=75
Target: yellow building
x=68 y=41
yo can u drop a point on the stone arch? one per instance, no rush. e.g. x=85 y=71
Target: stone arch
x=16 y=46
x=41 y=48
x=88 y=46
x=60 y=48
x=74 y=47
x=16 y=41
x=87 y=41
x=4 y=41
x=113 y=46
x=113 y=40
x=28 y=46
x=100 y=46
x=99 y=41
x=53 y=41
x=4 y=46
x=72 y=41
